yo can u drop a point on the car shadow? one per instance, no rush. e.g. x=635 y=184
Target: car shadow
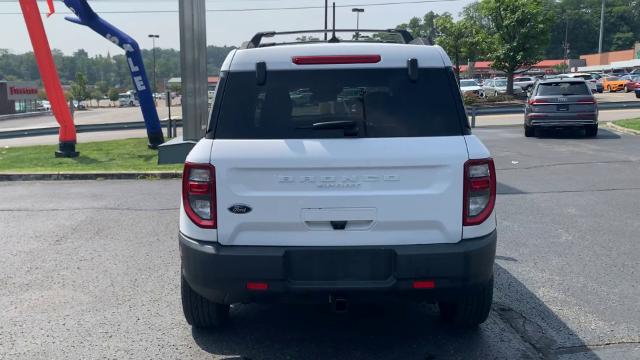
x=576 y=134
x=504 y=189
x=395 y=331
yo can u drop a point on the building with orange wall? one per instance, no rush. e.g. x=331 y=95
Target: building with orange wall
x=609 y=57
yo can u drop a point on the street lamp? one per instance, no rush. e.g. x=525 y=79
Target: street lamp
x=601 y=28
x=357 y=11
x=153 y=38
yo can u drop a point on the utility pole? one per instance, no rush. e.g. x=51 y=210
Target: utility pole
x=357 y=11
x=193 y=64
x=601 y=28
x=326 y=18
x=155 y=83
x=565 y=45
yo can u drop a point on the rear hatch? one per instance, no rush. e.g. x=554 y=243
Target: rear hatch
x=563 y=99
x=339 y=157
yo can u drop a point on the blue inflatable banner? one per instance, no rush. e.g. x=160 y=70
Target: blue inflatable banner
x=87 y=17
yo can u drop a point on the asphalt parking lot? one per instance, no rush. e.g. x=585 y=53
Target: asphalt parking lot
x=90 y=270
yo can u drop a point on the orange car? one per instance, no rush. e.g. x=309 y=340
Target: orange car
x=613 y=83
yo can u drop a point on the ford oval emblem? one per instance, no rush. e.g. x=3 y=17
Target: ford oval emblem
x=240 y=209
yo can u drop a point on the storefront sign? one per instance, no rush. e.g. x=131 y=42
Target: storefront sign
x=22 y=90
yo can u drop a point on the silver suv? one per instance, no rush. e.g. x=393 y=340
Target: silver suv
x=560 y=103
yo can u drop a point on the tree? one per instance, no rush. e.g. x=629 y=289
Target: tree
x=79 y=88
x=305 y=38
x=423 y=28
x=621 y=26
x=97 y=96
x=452 y=38
x=520 y=32
x=103 y=87
x=114 y=94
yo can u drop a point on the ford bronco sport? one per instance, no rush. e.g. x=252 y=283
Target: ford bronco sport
x=338 y=171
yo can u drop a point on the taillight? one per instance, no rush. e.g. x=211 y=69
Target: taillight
x=479 y=191
x=589 y=101
x=336 y=59
x=199 y=194
x=537 y=102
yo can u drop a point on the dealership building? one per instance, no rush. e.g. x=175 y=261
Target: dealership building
x=17 y=97
x=613 y=60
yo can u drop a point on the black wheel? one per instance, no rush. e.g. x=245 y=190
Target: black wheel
x=470 y=311
x=591 y=130
x=200 y=312
x=529 y=131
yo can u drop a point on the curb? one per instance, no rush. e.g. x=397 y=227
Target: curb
x=132 y=125
x=621 y=129
x=139 y=175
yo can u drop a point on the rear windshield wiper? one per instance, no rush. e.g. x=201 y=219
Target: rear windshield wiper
x=350 y=127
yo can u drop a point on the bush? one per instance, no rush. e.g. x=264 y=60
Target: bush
x=470 y=98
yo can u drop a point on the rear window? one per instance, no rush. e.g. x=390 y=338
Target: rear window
x=563 y=89
x=380 y=102
x=585 y=77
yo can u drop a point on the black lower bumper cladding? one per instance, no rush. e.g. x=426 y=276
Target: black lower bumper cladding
x=233 y=274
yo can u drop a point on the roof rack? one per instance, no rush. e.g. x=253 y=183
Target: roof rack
x=255 y=41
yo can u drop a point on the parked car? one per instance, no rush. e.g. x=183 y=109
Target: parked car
x=632 y=84
x=591 y=81
x=495 y=87
x=618 y=72
x=295 y=202
x=470 y=86
x=525 y=82
x=612 y=83
x=44 y=105
x=559 y=103
x=128 y=99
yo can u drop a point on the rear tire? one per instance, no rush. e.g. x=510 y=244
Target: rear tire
x=200 y=312
x=529 y=131
x=591 y=131
x=470 y=311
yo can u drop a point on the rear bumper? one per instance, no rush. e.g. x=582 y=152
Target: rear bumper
x=553 y=120
x=314 y=274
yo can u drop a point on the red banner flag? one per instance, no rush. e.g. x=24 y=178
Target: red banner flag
x=51 y=8
x=48 y=71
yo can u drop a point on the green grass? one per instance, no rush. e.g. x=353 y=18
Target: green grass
x=633 y=124
x=103 y=156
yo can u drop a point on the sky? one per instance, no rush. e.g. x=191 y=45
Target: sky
x=223 y=27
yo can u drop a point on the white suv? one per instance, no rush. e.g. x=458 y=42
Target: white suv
x=338 y=172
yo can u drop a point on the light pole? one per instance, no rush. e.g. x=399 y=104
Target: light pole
x=155 y=84
x=357 y=11
x=601 y=28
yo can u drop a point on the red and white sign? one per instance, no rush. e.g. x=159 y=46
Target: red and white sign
x=22 y=90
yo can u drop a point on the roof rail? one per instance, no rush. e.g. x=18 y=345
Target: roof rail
x=257 y=38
